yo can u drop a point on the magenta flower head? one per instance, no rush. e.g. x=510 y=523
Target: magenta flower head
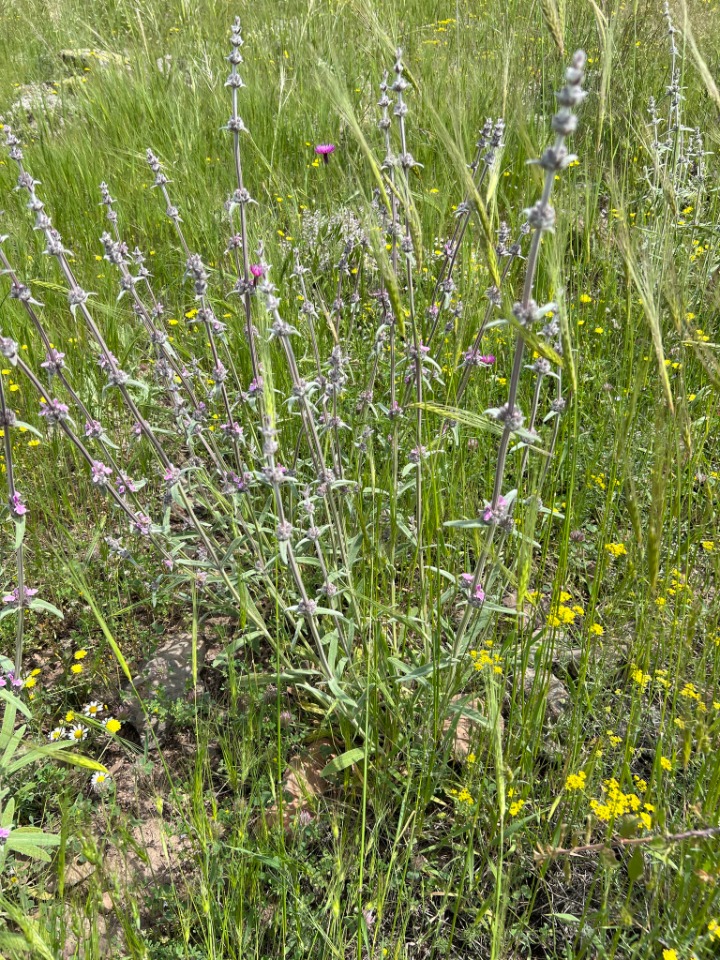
x=17 y=507
x=324 y=150
x=257 y=271
x=476 y=596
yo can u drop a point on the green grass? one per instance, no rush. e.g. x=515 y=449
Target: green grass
x=413 y=851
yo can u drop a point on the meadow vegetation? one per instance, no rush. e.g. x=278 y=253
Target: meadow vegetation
x=358 y=406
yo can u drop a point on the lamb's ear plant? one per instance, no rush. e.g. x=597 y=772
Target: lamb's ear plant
x=499 y=509
x=22 y=597
x=242 y=464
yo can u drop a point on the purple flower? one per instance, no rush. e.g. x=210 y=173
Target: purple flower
x=14 y=596
x=142 y=524
x=490 y=516
x=257 y=270
x=171 y=475
x=255 y=385
x=125 y=483
x=17 y=507
x=471 y=358
x=107 y=362
x=100 y=472
x=54 y=361
x=232 y=430
x=476 y=596
x=93 y=429
x=324 y=150
x=4 y=833
x=54 y=411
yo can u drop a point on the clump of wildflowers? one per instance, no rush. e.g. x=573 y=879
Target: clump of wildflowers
x=576 y=781
x=616 y=549
x=615 y=803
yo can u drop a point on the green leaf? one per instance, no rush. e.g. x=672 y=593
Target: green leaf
x=59 y=752
x=476 y=420
x=13 y=943
x=344 y=761
x=36 y=836
x=8 y=813
x=47 y=607
x=81 y=584
x=11 y=747
x=19 y=531
x=28 y=426
x=636 y=865
x=16 y=702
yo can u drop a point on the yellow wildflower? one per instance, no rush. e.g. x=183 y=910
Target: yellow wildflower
x=616 y=549
x=576 y=781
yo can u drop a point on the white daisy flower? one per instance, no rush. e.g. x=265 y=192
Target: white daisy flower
x=93 y=709
x=100 y=782
x=77 y=732
x=57 y=734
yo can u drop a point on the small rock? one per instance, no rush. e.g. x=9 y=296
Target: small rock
x=153 y=856
x=302 y=785
x=36 y=100
x=75 y=874
x=555 y=690
x=82 y=930
x=85 y=58
x=167 y=676
x=464 y=728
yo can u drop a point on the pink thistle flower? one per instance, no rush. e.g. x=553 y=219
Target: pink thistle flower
x=324 y=150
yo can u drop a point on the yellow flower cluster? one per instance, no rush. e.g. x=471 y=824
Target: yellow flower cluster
x=576 y=781
x=678 y=583
x=640 y=678
x=463 y=796
x=486 y=658
x=615 y=804
x=690 y=691
x=616 y=549
x=561 y=615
